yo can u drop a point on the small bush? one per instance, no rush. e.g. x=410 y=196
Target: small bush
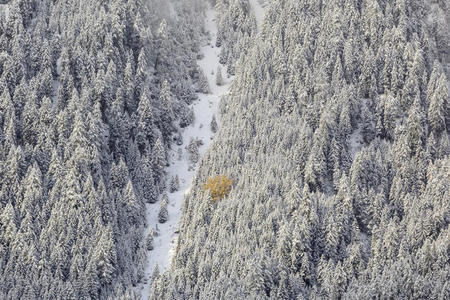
x=219 y=78
x=219 y=187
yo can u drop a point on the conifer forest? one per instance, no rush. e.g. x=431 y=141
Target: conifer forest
x=224 y=149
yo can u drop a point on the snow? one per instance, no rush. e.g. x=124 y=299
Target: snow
x=55 y=88
x=58 y=66
x=207 y=105
x=258 y=10
x=55 y=83
x=355 y=142
x=4 y=8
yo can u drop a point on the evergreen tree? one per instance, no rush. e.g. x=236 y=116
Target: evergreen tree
x=163 y=213
x=159 y=162
x=145 y=129
x=174 y=184
x=105 y=256
x=213 y=124
x=219 y=78
x=335 y=132
x=438 y=109
x=148 y=187
x=149 y=240
x=193 y=153
x=167 y=115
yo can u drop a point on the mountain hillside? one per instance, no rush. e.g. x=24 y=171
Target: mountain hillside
x=336 y=134
x=224 y=149
x=91 y=94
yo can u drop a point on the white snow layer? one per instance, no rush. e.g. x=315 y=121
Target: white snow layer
x=258 y=10
x=4 y=9
x=356 y=142
x=166 y=239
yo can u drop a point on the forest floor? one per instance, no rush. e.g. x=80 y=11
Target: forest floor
x=204 y=108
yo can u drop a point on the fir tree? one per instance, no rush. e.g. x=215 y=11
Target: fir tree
x=213 y=124
x=149 y=240
x=219 y=78
x=174 y=184
x=193 y=151
x=163 y=213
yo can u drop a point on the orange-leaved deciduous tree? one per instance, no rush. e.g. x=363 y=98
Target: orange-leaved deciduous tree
x=218 y=186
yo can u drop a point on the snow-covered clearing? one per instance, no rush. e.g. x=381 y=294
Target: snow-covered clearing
x=258 y=10
x=4 y=9
x=355 y=142
x=207 y=106
x=55 y=83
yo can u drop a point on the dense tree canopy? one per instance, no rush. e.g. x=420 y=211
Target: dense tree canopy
x=335 y=134
x=336 y=130
x=91 y=93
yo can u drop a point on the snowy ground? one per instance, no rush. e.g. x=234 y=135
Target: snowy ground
x=258 y=10
x=207 y=106
x=355 y=142
x=4 y=9
x=204 y=108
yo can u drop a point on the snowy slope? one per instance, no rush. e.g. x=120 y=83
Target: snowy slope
x=207 y=106
x=4 y=10
x=204 y=108
x=258 y=10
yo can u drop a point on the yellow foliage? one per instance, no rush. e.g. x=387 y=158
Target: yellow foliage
x=218 y=186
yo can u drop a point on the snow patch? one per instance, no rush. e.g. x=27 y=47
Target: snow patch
x=207 y=105
x=55 y=88
x=258 y=10
x=355 y=142
x=58 y=66
x=4 y=9
x=55 y=83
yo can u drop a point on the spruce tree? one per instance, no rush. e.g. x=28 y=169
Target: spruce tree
x=193 y=151
x=163 y=212
x=219 y=78
x=213 y=124
x=149 y=240
x=174 y=184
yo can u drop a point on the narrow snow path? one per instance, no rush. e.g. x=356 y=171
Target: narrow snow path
x=355 y=142
x=206 y=106
x=4 y=9
x=258 y=10
x=55 y=83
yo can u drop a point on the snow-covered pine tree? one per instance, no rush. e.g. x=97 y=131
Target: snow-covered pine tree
x=335 y=98
x=174 y=184
x=149 y=240
x=193 y=152
x=219 y=78
x=163 y=214
x=79 y=120
x=213 y=124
